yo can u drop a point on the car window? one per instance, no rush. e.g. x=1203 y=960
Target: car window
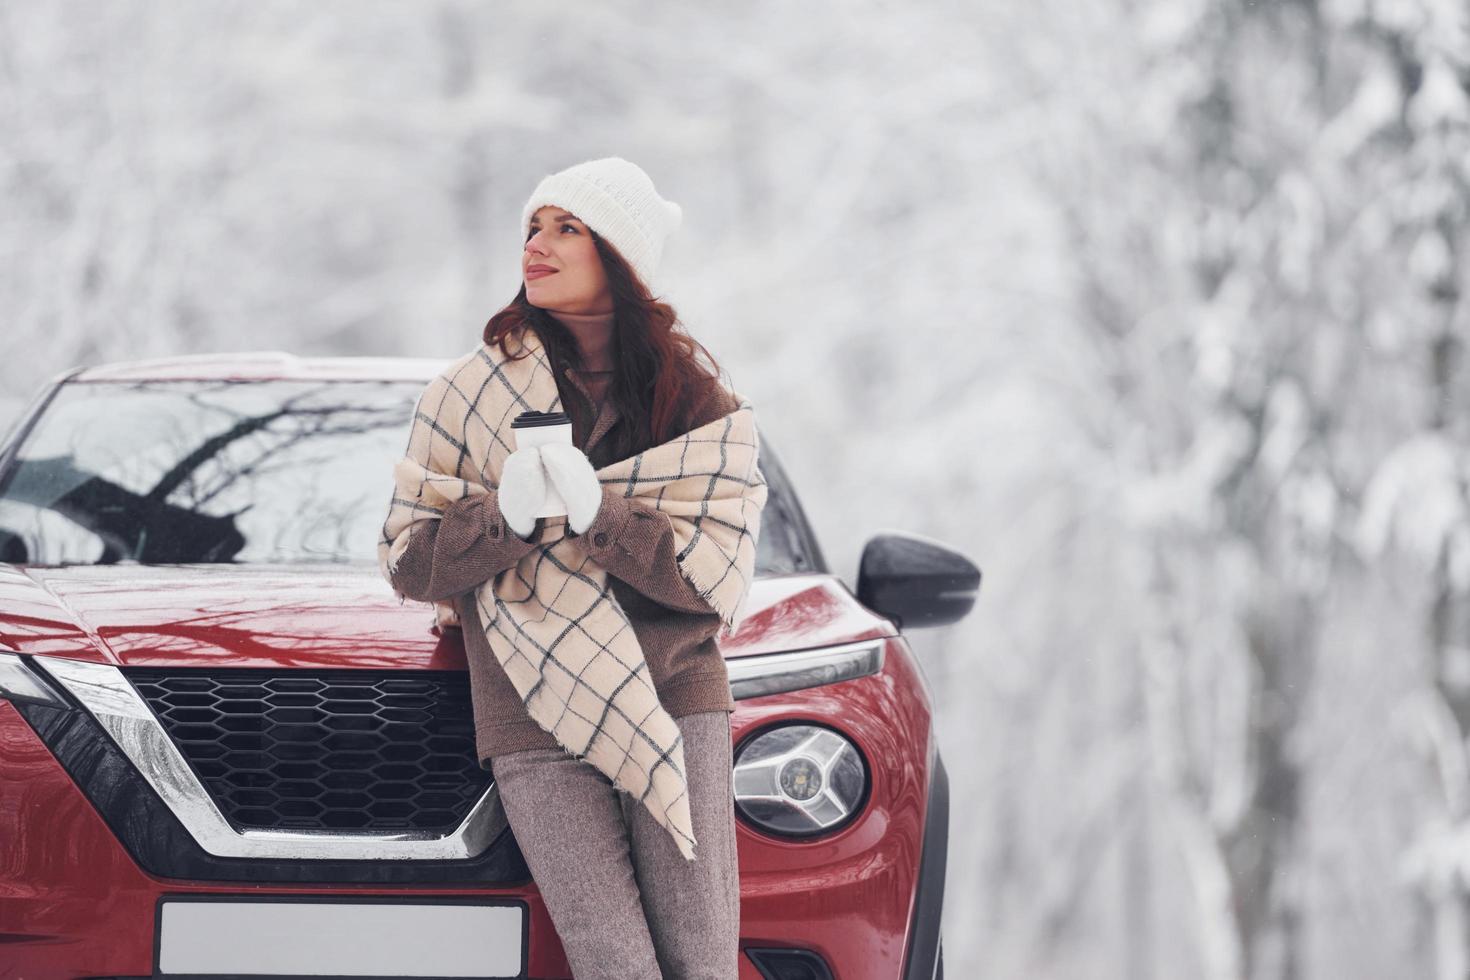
x=231 y=471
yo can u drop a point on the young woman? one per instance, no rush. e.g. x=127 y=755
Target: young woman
x=626 y=903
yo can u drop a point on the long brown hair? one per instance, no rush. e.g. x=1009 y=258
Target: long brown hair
x=657 y=377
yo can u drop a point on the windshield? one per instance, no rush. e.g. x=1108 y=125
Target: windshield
x=231 y=471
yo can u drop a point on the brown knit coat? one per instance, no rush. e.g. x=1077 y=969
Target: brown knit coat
x=633 y=541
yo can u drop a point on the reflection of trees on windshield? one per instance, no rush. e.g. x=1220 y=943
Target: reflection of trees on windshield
x=283 y=453
x=174 y=472
x=142 y=527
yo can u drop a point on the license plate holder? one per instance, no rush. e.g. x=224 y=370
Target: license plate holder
x=370 y=937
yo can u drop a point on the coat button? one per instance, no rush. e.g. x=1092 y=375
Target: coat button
x=495 y=530
x=599 y=539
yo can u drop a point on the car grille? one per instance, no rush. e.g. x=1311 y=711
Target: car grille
x=329 y=750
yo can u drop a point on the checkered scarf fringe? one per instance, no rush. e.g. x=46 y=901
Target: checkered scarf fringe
x=552 y=620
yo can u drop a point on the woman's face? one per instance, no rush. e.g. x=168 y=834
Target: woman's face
x=558 y=240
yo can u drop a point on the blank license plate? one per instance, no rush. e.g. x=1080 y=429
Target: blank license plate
x=390 y=938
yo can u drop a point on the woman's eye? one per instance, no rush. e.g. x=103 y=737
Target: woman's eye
x=565 y=225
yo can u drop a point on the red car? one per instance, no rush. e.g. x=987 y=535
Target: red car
x=227 y=750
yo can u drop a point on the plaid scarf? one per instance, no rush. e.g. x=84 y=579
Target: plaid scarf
x=552 y=620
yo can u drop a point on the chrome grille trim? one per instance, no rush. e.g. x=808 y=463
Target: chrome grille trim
x=121 y=711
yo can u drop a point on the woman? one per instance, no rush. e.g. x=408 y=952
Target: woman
x=625 y=901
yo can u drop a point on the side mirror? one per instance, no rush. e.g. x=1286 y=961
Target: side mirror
x=916 y=581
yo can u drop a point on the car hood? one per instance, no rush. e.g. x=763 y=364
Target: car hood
x=311 y=616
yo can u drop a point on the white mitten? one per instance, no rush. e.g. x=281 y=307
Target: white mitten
x=522 y=489
x=571 y=472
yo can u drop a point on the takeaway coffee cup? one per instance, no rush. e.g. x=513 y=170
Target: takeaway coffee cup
x=537 y=429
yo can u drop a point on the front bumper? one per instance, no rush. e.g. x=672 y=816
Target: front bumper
x=92 y=850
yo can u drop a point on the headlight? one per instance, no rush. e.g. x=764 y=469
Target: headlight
x=799 y=780
x=779 y=673
x=19 y=683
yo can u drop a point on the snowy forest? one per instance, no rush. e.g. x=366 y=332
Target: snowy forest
x=1155 y=309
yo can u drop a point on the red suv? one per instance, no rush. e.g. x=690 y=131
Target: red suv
x=227 y=750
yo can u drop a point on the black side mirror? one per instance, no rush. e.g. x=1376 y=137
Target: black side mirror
x=915 y=581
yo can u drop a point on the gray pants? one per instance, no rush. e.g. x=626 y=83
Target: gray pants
x=625 y=902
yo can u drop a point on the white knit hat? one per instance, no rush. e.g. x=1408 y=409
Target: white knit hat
x=616 y=199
